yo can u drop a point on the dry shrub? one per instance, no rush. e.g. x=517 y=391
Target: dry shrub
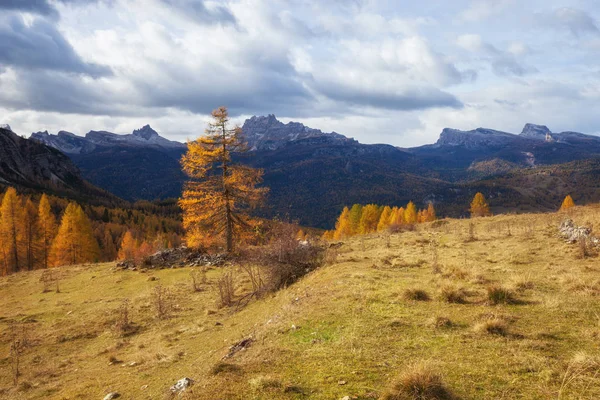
x=455 y=272
x=123 y=325
x=285 y=259
x=416 y=294
x=581 y=367
x=493 y=326
x=500 y=295
x=585 y=248
x=471 y=236
x=418 y=383
x=19 y=342
x=163 y=302
x=50 y=280
x=226 y=289
x=198 y=279
x=522 y=283
x=452 y=294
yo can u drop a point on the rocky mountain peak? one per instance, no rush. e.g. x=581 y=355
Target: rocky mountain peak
x=535 y=131
x=268 y=133
x=5 y=127
x=477 y=138
x=146 y=132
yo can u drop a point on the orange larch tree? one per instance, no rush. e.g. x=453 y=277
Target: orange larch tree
x=219 y=192
x=11 y=230
x=567 y=203
x=343 y=227
x=30 y=233
x=46 y=227
x=128 y=248
x=75 y=242
x=479 y=206
x=384 y=219
x=410 y=214
x=369 y=219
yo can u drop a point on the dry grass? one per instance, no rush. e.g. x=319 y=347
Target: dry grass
x=453 y=294
x=418 y=383
x=416 y=295
x=500 y=295
x=344 y=322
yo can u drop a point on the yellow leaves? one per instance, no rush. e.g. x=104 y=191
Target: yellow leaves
x=567 y=203
x=479 y=206
x=75 y=242
x=219 y=193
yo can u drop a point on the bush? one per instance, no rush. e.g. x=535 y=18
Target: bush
x=418 y=383
x=441 y=322
x=284 y=259
x=223 y=367
x=416 y=294
x=226 y=289
x=163 y=303
x=493 y=326
x=451 y=294
x=500 y=295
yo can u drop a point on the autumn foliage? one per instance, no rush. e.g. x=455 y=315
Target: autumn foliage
x=46 y=231
x=567 y=203
x=479 y=206
x=360 y=220
x=219 y=193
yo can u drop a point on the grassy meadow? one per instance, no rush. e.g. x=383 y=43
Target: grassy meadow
x=498 y=308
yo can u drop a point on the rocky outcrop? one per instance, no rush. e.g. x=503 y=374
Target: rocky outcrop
x=478 y=138
x=178 y=257
x=70 y=143
x=268 y=133
x=573 y=233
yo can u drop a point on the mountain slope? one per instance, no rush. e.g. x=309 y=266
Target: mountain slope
x=30 y=165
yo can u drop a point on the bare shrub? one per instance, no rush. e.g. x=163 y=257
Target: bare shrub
x=284 y=259
x=226 y=289
x=471 y=237
x=163 y=302
x=19 y=342
x=123 y=325
x=441 y=322
x=416 y=294
x=331 y=255
x=435 y=265
x=199 y=279
x=50 y=280
x=452 y=294
x=419 y=382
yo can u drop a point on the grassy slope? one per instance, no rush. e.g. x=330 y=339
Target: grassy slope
x=352 y=323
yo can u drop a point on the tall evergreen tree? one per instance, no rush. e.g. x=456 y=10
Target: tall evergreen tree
x=354 y=218
x=30 y=233
x=342 y=226
x=369 y=219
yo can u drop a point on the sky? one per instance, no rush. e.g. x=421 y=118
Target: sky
x=380 y=71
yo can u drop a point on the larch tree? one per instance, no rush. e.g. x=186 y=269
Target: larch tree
x=479 y=206
x=567 y=203
x=75 y=242
x=369 y=219
x=410 y=214
x=109 y=250
x=30 y=243
x=128 y=248
x=384 y=219
x=431 y=215
x=354 y=217
x=343 y=228
x=219 y=192
x=46 y=227
x=11 y=230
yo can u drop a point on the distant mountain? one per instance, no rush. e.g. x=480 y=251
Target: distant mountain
x=32 y=166
x=70 y=143
x=313 y=174
x=268 y=133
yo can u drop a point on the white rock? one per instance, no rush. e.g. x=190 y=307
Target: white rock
x=181 y=385
x=112 y=395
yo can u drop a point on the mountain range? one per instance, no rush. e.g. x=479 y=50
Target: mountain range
x=313 y=174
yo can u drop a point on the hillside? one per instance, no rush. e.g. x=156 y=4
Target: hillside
x=347 y=329
x=32 y=167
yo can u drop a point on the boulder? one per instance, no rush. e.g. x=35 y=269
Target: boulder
x=181 y=385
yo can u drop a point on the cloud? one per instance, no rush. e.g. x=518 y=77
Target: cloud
x=197 y=10
x=576 y=21
x=480 y=10
x=41 y=7
x=503 y=63
x=41 y=46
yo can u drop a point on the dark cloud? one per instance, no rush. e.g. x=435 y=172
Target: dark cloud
x=199 y=12
x=418 y=98
x=41 y=46
x=42 y=7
